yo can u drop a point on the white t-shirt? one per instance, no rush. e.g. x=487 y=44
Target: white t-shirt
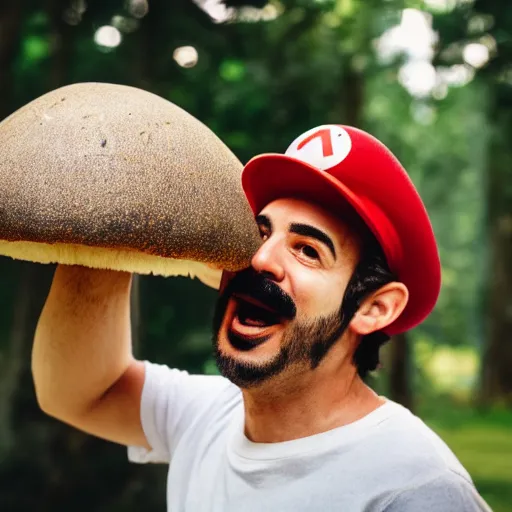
x=387 y=461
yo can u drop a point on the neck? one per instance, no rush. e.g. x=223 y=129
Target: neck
x=325 y=398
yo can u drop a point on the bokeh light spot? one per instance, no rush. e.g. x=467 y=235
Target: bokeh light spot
x=108 y=36
x=186 y=56
x=476 y=54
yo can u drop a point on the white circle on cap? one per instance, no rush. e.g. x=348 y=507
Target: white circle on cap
x=322 y=147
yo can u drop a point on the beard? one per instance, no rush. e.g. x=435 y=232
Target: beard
x=304 y=343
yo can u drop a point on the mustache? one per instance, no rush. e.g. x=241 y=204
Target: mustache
x=255 y=285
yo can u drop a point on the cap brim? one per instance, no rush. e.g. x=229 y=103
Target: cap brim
x=270 y=176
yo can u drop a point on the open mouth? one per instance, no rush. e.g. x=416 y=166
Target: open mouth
x=252 y=313
x=253 y=323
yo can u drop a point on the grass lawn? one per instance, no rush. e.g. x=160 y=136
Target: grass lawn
x=483 y=444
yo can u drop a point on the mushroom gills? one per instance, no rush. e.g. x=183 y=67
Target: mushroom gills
x=114 y=259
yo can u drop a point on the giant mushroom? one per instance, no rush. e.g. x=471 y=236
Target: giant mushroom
x=111 y=176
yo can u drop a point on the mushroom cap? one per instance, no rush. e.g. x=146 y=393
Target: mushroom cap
x=112 y=176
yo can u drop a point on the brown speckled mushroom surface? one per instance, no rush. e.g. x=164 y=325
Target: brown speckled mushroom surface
x=117 y=168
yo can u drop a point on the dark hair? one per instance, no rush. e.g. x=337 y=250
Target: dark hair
x=371 y=273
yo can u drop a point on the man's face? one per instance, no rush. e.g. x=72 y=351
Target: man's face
x=281 y=316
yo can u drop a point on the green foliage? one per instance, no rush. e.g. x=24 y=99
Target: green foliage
x=444 y=158
x=482 y=442
x=35 y=48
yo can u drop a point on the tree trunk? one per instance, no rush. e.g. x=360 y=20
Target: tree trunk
x=62 y=43
x=32 y=289
x=399 y=374
x=353 y=90
x=497 y=360
x=15 y=357
x=10 y=36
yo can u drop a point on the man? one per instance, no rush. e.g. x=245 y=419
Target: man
x=347 y=259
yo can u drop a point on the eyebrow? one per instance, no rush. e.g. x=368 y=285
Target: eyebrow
x=311 y=232
x=264 y=221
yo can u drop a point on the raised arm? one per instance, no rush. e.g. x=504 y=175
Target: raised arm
x=82 y=363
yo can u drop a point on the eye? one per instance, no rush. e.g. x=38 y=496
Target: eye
x=309 y=252
x=264 y=235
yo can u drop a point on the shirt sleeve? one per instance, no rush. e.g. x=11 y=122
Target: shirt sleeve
x=448 y=492
x=172 y=400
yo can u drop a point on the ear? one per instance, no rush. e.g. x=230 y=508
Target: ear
x=380 y=309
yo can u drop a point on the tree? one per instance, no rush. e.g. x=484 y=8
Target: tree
x=496 y=376
x=486 y=25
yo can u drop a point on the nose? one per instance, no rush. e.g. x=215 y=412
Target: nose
x=266 y=261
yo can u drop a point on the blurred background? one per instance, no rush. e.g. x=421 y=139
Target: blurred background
x=431 y=78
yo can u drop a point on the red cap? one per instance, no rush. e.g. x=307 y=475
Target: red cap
x=332 y=165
